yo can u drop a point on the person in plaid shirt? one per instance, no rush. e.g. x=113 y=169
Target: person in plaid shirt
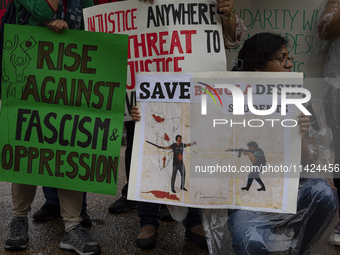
x=56 y=15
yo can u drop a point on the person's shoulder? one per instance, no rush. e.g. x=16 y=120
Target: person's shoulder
x=259 y=151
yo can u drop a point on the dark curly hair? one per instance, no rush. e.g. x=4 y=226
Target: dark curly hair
x=252 y=144
x=257 y=50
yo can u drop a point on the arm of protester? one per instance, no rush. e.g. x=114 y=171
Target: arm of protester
x=57 y=25
x=234 y=28
x=228 y=18
x=308 y=144
x=329 y=22
x=42 y=10
x=54 y=4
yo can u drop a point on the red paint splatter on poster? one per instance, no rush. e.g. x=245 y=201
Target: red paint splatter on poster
x=163 y=194
x=164 y=159
x=158 y=118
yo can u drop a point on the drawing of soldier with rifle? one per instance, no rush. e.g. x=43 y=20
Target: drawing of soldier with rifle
x=240 y=151
x=257 y=157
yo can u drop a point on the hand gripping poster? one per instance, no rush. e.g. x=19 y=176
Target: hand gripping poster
x=166 y=36
x=218 y=140
x=62 y=108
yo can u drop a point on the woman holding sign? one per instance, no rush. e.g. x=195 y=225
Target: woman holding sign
x=254 y=232
x=234 y=31
x=57 y=15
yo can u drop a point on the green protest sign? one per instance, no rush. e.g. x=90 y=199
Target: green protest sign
x=62 y=108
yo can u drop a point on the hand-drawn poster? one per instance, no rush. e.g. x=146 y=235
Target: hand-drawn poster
x=294 y=20
x=166 y=36
x=193 y=149
x=62 y=109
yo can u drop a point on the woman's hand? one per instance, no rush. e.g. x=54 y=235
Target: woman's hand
x=57 y=25
x=328 y=24
x=134 y=113
x=309 y=152
x=304 y=123
x=225 y=6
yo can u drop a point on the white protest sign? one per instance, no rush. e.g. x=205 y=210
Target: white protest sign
x=183 y=157
x=294 y=20
x=163 y=36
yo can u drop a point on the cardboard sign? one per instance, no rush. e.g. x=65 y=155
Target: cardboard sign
x=166 y=36
x=296 y=21
x=62 y=108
